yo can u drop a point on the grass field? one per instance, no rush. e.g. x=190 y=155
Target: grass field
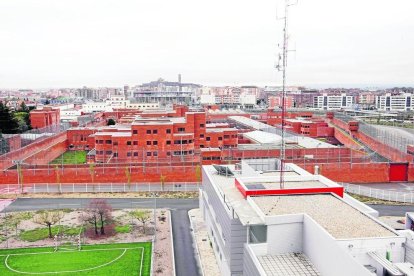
x=71 y=157
x=104 y=259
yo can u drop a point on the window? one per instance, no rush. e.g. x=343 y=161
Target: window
x=207 y=138
x=181 y=129
x=226 y=137
x=115 y=154
x=155 y=143
x=135 y=143
x=168 y=131
x=201 y=125
x=148 y=143
x=155 y=153
x=201 y=135
x=148 y=131
x=115 y=143
x=155 y=131
x=168 y=153
x=108 y=152
x=149 y=153
x=220 y=138
x=135 y=131
x=128 y=143
x=168 y=142
x=177 y=142
x=135 y=153
x=128 y=154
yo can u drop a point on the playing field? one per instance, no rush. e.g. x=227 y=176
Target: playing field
x=105 y=259
x=71 y=157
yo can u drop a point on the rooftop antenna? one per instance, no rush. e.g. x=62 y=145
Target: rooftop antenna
x=281 y=66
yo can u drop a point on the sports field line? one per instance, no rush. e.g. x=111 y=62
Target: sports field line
x=68 y=271
x=54 y=252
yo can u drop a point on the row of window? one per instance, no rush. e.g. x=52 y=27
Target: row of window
x=211 y=158
x=148 y=153
x=149 y=143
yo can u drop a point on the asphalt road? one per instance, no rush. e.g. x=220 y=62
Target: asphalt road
x=28 y=204
x=184 y=249
x=393 y=210
x=185 y=261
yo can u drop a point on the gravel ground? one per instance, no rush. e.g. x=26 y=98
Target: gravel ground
x=207 y=258
x=338 y=218
x=163 y=260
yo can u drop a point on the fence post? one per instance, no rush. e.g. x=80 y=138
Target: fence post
x=47 y=187
x=73 y=187
x=111 y=188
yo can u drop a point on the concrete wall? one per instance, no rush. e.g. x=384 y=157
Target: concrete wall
x=285 y=238
x=325 y=254
x=251 y=265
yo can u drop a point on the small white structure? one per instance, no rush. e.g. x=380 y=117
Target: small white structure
x=308 y=227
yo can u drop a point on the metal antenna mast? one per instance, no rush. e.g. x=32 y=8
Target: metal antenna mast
x=282 y=67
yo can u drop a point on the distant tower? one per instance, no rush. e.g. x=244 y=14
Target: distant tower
x=126 y=88
x=179 y=83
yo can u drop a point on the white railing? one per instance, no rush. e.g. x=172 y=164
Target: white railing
x=98 y=187
x=388 y=195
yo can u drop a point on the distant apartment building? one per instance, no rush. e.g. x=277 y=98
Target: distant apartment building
x=88 y=93
x=275 y=101
x=44 y=117
x=366 y=98
x=116 y=102
x=389 y=102
x=166 y=92
x=230 y=96
x=332 y=102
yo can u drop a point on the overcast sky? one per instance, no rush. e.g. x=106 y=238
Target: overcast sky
x=71 y=43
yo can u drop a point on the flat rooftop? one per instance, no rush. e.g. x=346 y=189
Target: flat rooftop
x=338 y=218
x=262 y=185
x=289 y=264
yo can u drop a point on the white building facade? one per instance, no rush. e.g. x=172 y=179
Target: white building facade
x=333 y=102
x=388 y=102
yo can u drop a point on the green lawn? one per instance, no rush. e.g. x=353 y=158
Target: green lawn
x=43 y=233
x=71 y=157
x=104 y=259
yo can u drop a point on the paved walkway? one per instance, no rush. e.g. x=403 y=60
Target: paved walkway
x=208 y=260
x=4 y=203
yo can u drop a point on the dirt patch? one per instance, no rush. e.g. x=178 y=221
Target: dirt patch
x=168 y=194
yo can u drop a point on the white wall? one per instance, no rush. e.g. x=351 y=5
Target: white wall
x=325 y=253
x=284 y=238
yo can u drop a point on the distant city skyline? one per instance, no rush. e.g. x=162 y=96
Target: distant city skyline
x=56 y=44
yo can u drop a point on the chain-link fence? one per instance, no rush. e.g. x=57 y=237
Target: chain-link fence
x=99 y=187
x=390 y=138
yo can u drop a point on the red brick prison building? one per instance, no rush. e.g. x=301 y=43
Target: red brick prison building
x=152 y=139
x=47 y=116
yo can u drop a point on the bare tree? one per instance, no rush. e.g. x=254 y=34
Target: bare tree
x=142 y=216
x=163 y=178
x=48 y=218
x=99 y=214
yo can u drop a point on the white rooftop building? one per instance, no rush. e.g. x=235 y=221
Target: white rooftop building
x=308 y=227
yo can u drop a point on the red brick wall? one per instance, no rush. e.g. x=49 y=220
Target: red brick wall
x=44 y=156
x=353 y=173
x=383 y=149
x=82 y=174
x=24 y=152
